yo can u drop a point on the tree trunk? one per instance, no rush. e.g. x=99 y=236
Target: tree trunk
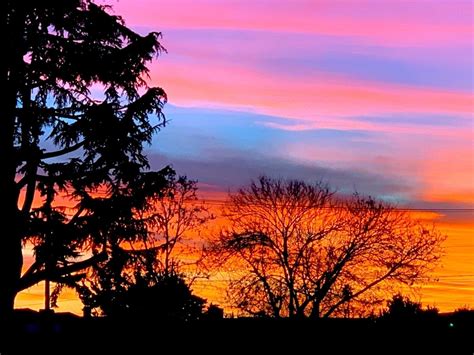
x=11 y=221
x=11 y=261
x=316 y=311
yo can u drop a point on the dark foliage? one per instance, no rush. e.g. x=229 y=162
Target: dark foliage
x=402 y=308
x=75 y=114
x=127 y=285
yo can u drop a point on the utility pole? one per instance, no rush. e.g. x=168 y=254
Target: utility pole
x=47 y=300
x=47 y=268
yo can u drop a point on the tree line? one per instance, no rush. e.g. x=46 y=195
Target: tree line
x=76 y=114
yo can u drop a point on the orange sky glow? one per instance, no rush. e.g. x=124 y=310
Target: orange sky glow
x=451 y=284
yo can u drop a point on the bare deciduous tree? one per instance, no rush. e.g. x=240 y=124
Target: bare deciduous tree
x=301 y=251
x=175 y=214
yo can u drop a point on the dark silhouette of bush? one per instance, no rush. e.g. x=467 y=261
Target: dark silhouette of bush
x=170 y=298
x=128 y=285
x=214 y=312
x=464 y=314
x=402 y=308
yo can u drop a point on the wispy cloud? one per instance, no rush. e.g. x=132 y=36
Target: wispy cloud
x=313 y=96
x=233 y=171
x=400 y=22
x=366 y=86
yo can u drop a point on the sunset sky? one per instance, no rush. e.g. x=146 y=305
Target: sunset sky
x=370 y=95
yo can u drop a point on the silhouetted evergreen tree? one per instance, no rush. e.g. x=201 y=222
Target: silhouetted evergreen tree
x=75 y=112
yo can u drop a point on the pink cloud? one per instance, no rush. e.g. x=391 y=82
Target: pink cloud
x=401 y=23
x=342 y=124
x=321 y=100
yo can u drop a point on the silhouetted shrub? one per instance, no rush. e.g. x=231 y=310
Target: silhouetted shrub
x=214 y=312
x=402 y=308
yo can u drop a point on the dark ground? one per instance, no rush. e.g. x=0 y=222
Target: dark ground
x=34 y=333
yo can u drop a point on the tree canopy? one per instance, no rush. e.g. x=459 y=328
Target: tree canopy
x=147 y=275
x=75 y=114
x=297 y=249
